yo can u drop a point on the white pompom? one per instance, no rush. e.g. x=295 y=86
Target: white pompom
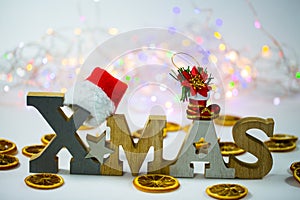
x=92 y=98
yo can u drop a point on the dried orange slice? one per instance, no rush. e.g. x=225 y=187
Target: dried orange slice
x=284 y=137
x=296 y=174
x=47 y=138
x=172 y=127
x=33 y=149
x=230 y=148
x=165 y=132
x=44 y=181
x=295 y=165
x=7 y=147
x=8 y=161
x=186 y=128
x=226 y=120
x=84 y=127
x=201 y=146
x=137 y=133
x=227 y=191
x=275 y=146
x=154 y=183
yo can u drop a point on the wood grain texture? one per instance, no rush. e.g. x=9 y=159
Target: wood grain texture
x=49 y=105
x=152 y=135
x=216 y=168
x=254 y=146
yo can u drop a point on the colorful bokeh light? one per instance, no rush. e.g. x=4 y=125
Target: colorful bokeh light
x=219 y=22
x=176 y=10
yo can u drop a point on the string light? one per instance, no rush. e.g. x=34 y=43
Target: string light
x=199 y=40
x=63 y=90
x=257 y=24
x=113 y=31
x=168 y=104
x=222 y=47
x=56 y=69
x=213 y=59
x=219 y=22
x=276 y=101
x=50 y=31
x=153 y=98
x=228 y=94
x=6 y=88
x=186 y=42
x=29 y=67
x=280 y=61
x=217 y=35
x=77 y=31
x=176 y=10
x=265 y=51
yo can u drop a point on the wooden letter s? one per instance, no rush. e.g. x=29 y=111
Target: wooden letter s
x=253 y=145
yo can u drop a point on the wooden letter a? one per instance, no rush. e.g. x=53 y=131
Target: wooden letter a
x=183 y=167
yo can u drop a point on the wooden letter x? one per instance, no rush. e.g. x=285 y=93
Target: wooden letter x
x=49 y=105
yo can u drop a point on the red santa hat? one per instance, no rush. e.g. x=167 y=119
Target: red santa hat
x=100 y=94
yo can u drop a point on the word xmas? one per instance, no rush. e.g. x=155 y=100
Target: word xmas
x=200 y=144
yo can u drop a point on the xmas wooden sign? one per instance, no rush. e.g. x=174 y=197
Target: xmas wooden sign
x=200 y=144
x=94 y=101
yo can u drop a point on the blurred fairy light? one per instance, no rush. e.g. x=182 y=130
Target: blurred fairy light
x=217 y=35
x=63 y=90
x=276 y=101
x=265 y=51
x=219 y=22
x=77 y=31
x=6 y=88
x=231 y=56
x=50 y=31
x=153 y=98
x=276 y=64
x=222 y=47
x=240 y=72
x=168 y=104
x=82 y=18
x=176 y=10
x=257 y=24
x=113 y=31
x=52 y=63
x=213 y=59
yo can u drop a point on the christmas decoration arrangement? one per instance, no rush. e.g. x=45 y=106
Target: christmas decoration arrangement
x=94 y=101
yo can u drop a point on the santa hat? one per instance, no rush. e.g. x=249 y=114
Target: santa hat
x=100 y=94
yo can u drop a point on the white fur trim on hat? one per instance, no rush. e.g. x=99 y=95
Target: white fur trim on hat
x=92 y=98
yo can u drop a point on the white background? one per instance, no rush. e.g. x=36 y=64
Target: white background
x=26 y=21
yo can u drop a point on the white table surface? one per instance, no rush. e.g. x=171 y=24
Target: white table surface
x=26 y=126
